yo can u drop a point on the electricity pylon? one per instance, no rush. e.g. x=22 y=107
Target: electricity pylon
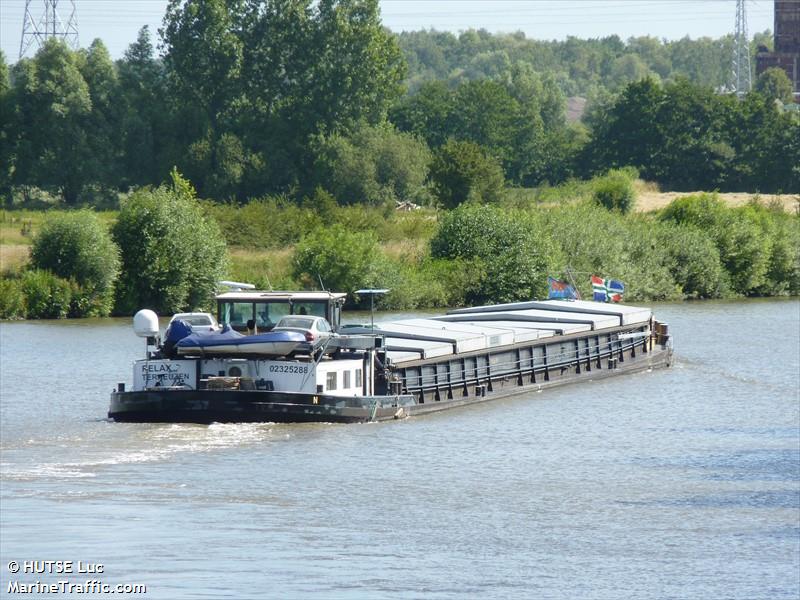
x=48 y=25
x=741 y=81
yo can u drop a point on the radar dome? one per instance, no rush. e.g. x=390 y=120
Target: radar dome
x=145 y=323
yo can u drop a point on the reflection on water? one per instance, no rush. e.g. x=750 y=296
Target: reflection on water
x=682 y=483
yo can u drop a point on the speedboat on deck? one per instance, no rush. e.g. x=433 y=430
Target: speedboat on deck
x=231 y=342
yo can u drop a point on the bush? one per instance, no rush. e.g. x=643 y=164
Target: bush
x=781 y=233
x=376 y=165
x=265 y=223
x=511 y=257
x=593 y=240
x=462 y=171
x=344 y=260
x=426 y=283
x=172 y=255
x=474 y=231
x=774 y=84
x=615 y=190
x=12 y=299
x=693 y=261
x=47 y=296
x=77 y=246
x=744 y=245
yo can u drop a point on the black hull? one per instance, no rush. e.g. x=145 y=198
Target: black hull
x=257 y=406
x=236 y=406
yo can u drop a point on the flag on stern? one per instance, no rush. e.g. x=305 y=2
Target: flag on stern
x=615 y=289
x=560 y=290
x=607 y=290
x=599 y=289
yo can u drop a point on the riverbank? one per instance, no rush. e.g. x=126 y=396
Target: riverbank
x=700 y=246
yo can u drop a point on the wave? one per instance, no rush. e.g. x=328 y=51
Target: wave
x=152 y=444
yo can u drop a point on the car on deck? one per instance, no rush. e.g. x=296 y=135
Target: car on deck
x=316 y=329
x=200 y=321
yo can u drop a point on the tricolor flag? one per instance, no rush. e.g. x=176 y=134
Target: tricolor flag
x=557 y=289
x=607 y=290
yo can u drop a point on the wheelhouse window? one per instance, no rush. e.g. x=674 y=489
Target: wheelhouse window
x=236 y=314
x=269 y=313
x=266 y=314
x=330 y=383
x=312 y=309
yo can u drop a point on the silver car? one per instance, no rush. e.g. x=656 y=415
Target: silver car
x=200 y=321
x=316 y=329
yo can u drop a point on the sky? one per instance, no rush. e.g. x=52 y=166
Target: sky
x=117 y=22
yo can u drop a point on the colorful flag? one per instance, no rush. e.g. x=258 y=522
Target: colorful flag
x=558 y=289
x=615 y=289
x=607 y=290
x=599 y=289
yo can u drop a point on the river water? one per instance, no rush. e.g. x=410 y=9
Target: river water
x=681 y=483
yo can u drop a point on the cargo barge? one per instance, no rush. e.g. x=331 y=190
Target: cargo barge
x=388 y=370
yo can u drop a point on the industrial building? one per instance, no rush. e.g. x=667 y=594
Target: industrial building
x=787 y=44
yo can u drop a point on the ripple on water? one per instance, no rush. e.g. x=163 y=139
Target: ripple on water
x=159 y=443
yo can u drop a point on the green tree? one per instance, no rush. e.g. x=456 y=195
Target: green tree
x=537 y=93
x=462 y=171
x=484 y=112
x=425 y=113
x=269 y=75
x=775 y=85
x=172 y=254
x=77 y=246
x=54 y=104
x=783 y=172
x=506 y=117
x=103 y=124
x=147 y=115
x=539 y=125
x=316 y=68
x=628 y=68
x=375 y=165
x=743 y=246
x=345 y=260
x=205 y=56
x=358 y=69
x=510 y=261
x=678 y=135
x=7 y=132
x=695 y=152
x=626 y=132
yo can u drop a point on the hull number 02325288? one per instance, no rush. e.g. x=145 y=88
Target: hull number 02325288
x=288 y=368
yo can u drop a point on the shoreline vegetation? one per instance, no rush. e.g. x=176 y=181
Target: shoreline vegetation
x=452 y=169
x=696 y=246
